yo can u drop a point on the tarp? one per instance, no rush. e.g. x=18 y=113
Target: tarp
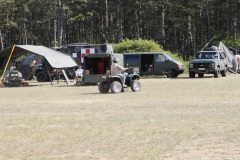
x=229 y=54
x=55 y=58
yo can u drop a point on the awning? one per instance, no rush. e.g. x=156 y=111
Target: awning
x=55 y=58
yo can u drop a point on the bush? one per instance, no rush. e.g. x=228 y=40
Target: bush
x=130 y=46
x=1 y=72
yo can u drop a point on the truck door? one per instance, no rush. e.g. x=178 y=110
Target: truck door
x=132 y=60
x=223 y=58
x=159 y=64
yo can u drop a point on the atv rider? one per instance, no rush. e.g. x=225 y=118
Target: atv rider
x=116 y=70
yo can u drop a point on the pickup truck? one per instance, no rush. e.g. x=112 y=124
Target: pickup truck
x=209 y=62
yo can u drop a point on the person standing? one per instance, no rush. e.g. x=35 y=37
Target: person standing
x=235 y=62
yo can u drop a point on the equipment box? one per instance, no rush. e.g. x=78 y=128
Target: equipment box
x=13 y=83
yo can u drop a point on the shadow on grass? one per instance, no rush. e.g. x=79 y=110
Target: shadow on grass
x=31 y=85
x=91 y=93
x=77 y=86
x=177 y=78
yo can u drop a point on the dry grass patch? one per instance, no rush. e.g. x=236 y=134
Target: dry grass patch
x=177 y=118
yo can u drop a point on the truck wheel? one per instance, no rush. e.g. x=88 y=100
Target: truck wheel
x=191 y=74
x=224 y=73
x=217 y=73
x=26 y=74
x=42 y=76
x=136 y=86
x=173 y=73
x=103 y=87
x=125 y=89
x=200 y=75
x=116 y=87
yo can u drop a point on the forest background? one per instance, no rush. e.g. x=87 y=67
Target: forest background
x=179 y=26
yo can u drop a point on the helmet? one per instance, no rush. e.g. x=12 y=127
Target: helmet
x=115 y=60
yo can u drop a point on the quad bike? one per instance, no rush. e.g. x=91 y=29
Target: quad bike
x=115 y=83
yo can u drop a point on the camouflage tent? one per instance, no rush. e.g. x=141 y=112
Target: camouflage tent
x=229 y=54
x=55 y=58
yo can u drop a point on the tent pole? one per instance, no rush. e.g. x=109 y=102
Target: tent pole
x=58 y=76
x=48 y=71
x=7 y=64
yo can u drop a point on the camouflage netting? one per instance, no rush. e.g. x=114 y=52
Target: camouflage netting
x=229 y=54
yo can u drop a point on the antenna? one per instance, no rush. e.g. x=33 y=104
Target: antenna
x=208 y=43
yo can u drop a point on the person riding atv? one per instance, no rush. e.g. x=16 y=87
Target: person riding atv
x=120 y=81
x=116 y=70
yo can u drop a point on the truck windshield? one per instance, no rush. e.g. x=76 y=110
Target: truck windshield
x=169 y=57
x=206 y=55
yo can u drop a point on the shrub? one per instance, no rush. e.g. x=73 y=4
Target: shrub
x=129 y=46
x=1 y=72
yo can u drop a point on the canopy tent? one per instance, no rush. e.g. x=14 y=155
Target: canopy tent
x=55 y=58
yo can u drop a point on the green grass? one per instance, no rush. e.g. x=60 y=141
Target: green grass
x=170 y=118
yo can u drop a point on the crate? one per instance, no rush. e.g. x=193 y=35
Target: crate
x=87 y=71
x=100 y=63
x=100 y=69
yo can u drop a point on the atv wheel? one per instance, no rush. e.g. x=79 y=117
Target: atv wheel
x=136 y=86
x=103 y=87
x=42 y=76
x=125 y=89
x=200 y=75
x=116 y=87
x=191 y=74
x=224 y=73
x=26 y=74
x=217 y=73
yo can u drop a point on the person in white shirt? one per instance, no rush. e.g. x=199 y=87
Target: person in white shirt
x=79 y=72
x=116 y=69
x=235 y=62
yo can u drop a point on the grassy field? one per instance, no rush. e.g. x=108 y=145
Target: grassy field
x=178 y=118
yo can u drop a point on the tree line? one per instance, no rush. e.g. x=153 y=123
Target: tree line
x=181 y=26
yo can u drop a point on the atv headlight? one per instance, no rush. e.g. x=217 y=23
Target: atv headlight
x=190 y=65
